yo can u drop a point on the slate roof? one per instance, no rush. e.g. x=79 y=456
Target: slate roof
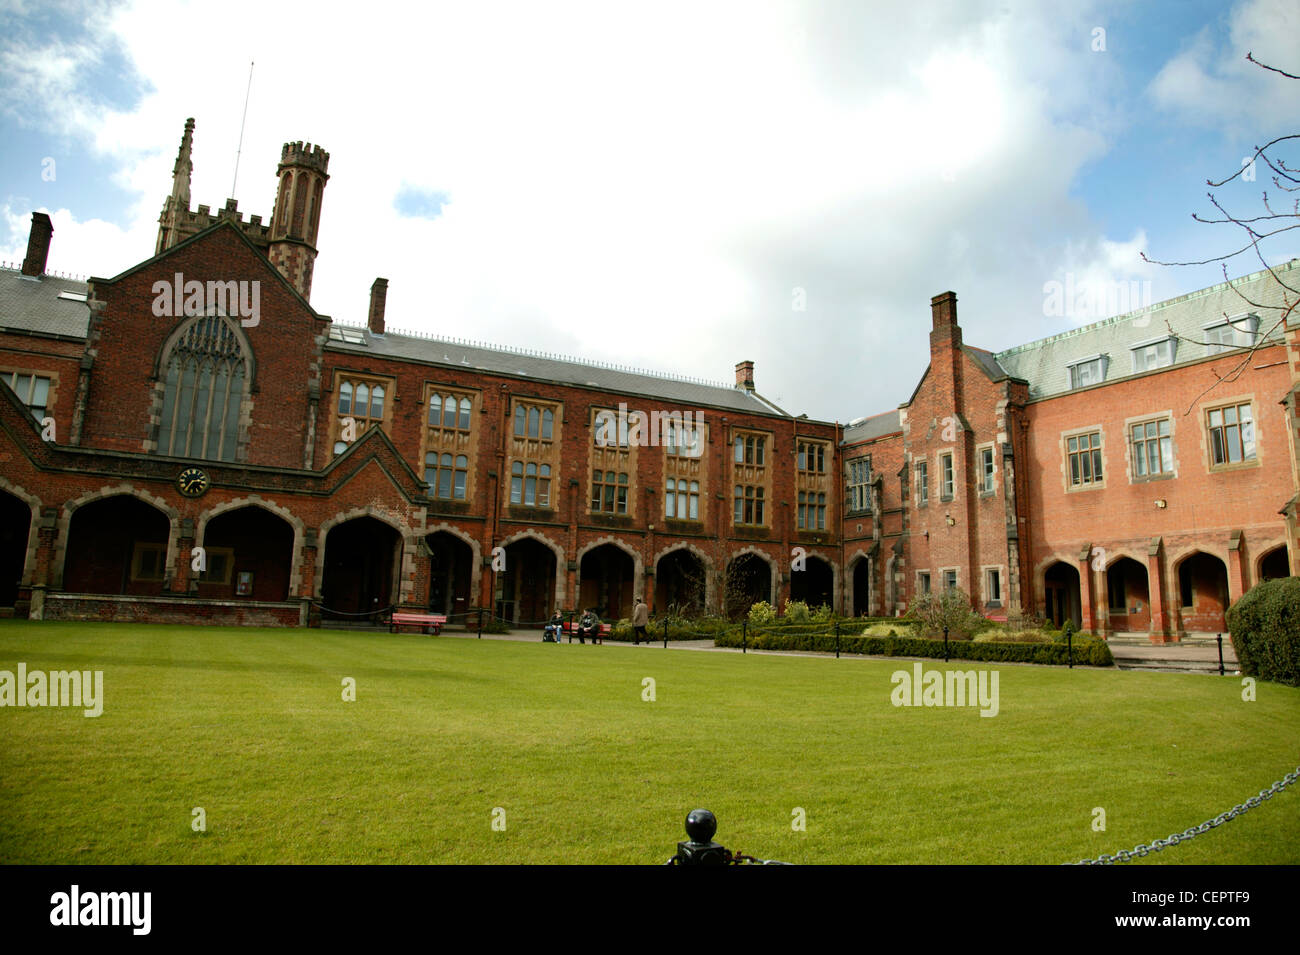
x=461 y=355
x=1045 y=363
x=872 y=426
x=33 y=305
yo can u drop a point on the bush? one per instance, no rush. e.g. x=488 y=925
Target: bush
x=823 y=614
x=947 y=609
x=761 y=613
x=1265 y=628
x=1086 y=652
x=796 y=611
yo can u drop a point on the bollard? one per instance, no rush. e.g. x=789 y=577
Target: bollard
x=665 y=633
x=1220 y=654
x=837 y=639
x=744 y=636
x=1069 y=649
x=945 y=644
x=480 y=623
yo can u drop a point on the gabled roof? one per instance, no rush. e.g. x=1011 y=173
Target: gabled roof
x=34 y=305
x=1045 y=363
x=476 y=356
x=199 y=237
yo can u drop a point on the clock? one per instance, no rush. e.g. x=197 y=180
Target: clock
x=192 y=482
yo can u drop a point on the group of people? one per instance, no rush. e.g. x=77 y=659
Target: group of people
x=589 y=625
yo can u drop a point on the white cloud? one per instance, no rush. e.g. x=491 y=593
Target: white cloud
x=1212 y=83
x=647 y=184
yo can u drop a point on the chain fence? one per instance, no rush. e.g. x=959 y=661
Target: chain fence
x=1139 y=851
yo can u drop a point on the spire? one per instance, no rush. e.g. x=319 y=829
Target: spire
x=183 y=168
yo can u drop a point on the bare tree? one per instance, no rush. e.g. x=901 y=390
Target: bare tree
x=1281 y=213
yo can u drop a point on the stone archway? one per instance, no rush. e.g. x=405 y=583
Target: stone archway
x=861 y=585
x=557 y=600
x=1202 y=593
x=253 y=500
x=750 y=578
x=815 y=583
x=118 y=545
x=69 y=510
x=1128 y=596
x=1062 y=594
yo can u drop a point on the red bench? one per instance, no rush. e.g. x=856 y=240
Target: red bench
x=571 y=628
x=425 y=621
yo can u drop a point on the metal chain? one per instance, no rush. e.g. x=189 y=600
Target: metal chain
x=1125 y=855
x=737 y=858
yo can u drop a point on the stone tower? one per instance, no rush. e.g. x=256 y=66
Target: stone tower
x=296 y=218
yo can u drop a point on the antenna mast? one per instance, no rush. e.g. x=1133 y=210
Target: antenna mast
x=242 y=122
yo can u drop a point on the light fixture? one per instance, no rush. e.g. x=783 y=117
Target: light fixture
x=951 y=520
x=1162 y=503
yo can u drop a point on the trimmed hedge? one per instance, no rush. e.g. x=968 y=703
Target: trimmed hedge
x=1086 y=652
x=1265 y=628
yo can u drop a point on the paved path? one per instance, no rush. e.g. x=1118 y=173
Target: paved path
x=1198 y=655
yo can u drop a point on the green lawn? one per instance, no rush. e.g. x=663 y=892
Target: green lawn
x=250 y=725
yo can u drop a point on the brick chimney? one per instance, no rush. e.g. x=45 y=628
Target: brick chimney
x=38 y=244
x=378 y=293
x=745 y=375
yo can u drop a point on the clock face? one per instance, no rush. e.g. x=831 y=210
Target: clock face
x=192 y=482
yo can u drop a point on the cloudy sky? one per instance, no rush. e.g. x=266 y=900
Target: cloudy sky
x=673 y=186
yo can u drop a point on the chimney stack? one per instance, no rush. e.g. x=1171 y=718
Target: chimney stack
x=745 y=375
x=943 y=309
x=38 y=245
x=378 y=293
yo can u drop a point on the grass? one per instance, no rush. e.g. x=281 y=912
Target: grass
x=250 y=725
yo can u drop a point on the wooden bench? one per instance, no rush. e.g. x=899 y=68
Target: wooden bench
x=425 y=621
x=571 y=628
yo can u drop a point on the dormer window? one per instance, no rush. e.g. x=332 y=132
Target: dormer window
x=1226 y=334
x=1088 y=371
x=1147 y=356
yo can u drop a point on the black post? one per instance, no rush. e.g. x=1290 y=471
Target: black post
x=569 y=628
x=837 y=639
x=1069 y=649
x=945 y=644
x=744 y=636
x=665 y=633
x=480 y=623
x=1220 y=654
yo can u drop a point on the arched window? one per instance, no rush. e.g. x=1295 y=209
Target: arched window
x=206 y=379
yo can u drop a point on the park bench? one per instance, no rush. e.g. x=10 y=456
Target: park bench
x=426 y=621
x=571 y=628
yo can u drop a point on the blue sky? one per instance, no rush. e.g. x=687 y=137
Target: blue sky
x=658 y=185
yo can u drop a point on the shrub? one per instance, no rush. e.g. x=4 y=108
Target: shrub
x=1086 y=652
x=1265 y=628
x=823 y=614
x=950 y=609
x=761 y=613
x=796 y=611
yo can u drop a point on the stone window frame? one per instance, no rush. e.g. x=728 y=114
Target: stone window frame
x=1064 y=446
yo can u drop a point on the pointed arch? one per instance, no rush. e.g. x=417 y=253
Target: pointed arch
x=203 y=378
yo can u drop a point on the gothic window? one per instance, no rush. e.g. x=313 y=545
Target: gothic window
x=206 y=379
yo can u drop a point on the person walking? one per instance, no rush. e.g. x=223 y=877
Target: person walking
x=640 y=618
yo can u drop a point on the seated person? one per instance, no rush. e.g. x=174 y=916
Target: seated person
x=589 y=626
x=551 y=632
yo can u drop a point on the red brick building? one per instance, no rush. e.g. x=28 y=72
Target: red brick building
x=191 y=440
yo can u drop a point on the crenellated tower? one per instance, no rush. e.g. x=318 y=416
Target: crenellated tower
x=296 y=218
